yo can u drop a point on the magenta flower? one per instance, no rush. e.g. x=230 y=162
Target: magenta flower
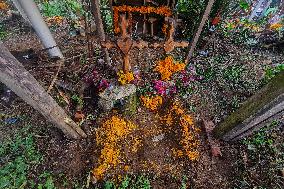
x=103 y=84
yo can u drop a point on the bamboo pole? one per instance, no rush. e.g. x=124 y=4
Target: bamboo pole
x=200 y=28
x=31 y=11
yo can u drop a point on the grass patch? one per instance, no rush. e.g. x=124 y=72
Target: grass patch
x=18 y=156
x=139 y=182
x=262 y=159
x=3 y=32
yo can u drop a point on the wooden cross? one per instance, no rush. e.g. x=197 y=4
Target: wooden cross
x=125 y=44
x=169 y=45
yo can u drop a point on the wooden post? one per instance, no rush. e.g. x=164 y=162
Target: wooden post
x=95 y=4
x=268 y=102
x=18 y=79
x=200 y=28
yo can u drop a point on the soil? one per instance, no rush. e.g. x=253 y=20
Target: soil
x=212 y=100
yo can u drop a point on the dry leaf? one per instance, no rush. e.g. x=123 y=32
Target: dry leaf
x=216 y=151
x=79 y=116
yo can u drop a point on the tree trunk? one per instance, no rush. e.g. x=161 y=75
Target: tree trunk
x=200 y=28
x=18 y=79
x=95 y=4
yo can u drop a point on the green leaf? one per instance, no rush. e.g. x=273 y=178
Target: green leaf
x=244 y=5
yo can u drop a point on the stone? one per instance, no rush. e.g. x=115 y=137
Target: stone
x=158 y=138
x=111 y=95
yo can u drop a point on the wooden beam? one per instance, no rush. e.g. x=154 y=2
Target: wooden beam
x=254 y=111
x=96 y=11
x=18 y=79
x=200 y=28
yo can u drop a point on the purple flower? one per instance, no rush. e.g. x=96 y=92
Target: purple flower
x=103 y=84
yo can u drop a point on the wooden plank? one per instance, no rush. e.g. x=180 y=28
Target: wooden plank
x=276 y=117
x=252 y=106
x=200 y=28
x=257 y=122
x=18 y=79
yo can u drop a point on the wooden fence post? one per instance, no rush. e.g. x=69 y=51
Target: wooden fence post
x=18 y=79
x=200 y=28
x=96 y=11
x=257 y=111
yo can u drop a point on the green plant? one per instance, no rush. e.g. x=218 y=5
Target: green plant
x=142 y=183
x=18 y=155
x=192 y=10
x=3 y=32
x=125 y=183
x=263 y=156
x=71 y=9
x=109 y=185
x=244 y=4
x=233 y=73
x=273 y=71
x=184 y=183
x=208 y=73
x=133 y=182
x=78 y=100
x=49 y=181
x=106 y=15
x=262 y=138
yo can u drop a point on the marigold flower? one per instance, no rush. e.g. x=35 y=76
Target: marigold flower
x=168 y=67
x=276 y=26
x=189 y=140
x=152 y=103
x=3 y=6
x=54 y=20
x=112 y=131
x=125 y=78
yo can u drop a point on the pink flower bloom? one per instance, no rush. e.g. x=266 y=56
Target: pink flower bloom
x=160 y=87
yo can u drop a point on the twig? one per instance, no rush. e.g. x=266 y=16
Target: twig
x=61 y=62
x=39 y=136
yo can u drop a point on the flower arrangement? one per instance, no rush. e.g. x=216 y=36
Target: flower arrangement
x=125 y=78
x=108 y=136
x=168 y=67
x=163 y=10
x=152 y=103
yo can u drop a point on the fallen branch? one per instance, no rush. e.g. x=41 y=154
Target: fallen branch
x=61 y=62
